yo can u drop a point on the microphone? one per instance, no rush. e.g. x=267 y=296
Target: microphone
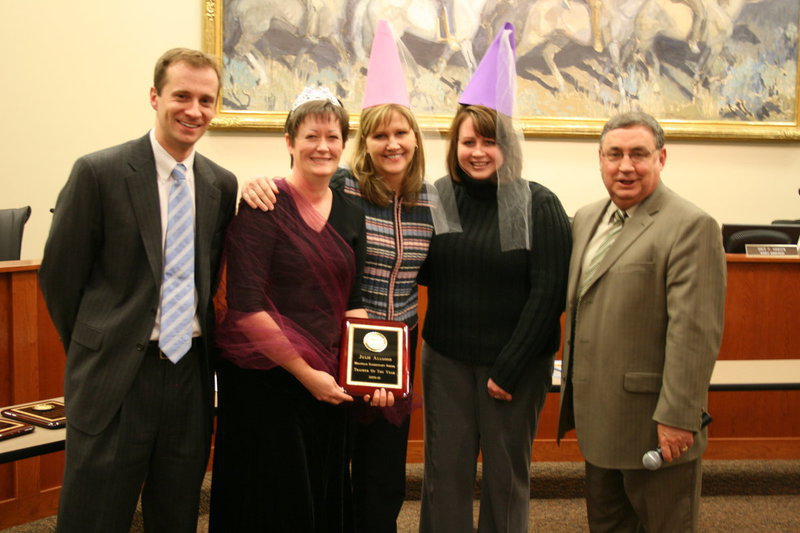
x=653 y=459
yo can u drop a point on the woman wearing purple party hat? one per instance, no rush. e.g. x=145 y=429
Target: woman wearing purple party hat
x=496 y=290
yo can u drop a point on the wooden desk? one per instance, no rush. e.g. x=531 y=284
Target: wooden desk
x=762 y=321
x=762 y=308
x=739 y=375
x=31 y=367
x=762 y=316
x=756 y=375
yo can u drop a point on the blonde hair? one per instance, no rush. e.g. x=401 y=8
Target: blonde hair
x=372 y=188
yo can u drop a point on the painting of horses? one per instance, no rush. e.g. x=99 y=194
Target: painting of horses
x=714 y=69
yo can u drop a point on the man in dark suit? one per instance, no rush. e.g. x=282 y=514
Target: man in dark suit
x=645 y=305
x=129 y=271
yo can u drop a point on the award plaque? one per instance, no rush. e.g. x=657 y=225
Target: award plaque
x=10 y=429
x=47 y=414
x=374 y=355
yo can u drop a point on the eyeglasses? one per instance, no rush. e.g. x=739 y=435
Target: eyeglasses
x=636 y=156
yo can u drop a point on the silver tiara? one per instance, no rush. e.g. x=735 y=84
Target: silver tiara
x=311 y=94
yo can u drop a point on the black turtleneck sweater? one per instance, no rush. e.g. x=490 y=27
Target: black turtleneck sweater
x=488 y=307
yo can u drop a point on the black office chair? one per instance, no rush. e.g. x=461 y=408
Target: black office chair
x=785 y=221
x=736 y=242
x=12 y=223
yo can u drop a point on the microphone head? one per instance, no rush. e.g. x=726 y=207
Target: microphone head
x=652 y=460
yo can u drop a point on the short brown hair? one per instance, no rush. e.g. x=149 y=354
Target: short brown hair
x=316 y=108
x=372 y=188
x=195 y=58
x=492 y=125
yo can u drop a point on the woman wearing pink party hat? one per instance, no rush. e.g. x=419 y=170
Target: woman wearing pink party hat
x=388 y=168
x=496 y=290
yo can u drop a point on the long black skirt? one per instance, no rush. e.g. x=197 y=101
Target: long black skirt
x=279 y=457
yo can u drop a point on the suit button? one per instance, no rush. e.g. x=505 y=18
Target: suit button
x=140 y=346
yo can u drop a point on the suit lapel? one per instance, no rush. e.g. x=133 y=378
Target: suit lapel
x=207 y=199
x=143 y=188
x=581 y=237
x=633 y=230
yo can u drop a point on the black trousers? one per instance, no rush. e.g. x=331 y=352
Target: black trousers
x=157 y=445
x=378 y=468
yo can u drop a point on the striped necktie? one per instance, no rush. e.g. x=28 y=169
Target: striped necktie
x=177 y=287
x=617 y=221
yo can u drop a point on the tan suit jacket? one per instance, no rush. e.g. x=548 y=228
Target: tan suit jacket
x=641 y=343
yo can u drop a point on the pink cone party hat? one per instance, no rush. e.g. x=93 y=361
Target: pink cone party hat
x=386 y=82
x=494 y=81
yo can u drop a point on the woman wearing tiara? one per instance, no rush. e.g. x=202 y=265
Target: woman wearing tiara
x=292 y=274
x=386 y=179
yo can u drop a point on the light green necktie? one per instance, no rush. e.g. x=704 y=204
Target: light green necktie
x=617 y=221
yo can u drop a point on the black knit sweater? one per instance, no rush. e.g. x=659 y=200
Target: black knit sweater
x=489 y=307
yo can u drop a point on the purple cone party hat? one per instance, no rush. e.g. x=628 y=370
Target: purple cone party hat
x=386 y=82
x=493 y=83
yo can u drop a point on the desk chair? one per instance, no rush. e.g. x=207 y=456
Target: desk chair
x=12 y=223
x=737 y=241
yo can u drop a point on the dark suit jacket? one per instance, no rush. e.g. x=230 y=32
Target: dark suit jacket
x=647 y=332
x=102 y=268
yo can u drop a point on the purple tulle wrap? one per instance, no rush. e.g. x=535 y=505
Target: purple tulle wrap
x=287 y=287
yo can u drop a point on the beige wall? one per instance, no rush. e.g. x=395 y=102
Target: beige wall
x=76 y=77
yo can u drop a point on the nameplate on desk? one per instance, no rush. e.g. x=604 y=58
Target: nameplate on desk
x=772 y=250
x=374 y=355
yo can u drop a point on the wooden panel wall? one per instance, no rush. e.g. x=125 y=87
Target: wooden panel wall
x=762 y=317
x=762 y=321
x=31 y=368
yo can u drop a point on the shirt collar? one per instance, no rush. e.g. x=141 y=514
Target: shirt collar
x=165 y=163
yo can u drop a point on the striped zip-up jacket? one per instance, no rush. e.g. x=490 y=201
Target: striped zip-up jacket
x=397 y=244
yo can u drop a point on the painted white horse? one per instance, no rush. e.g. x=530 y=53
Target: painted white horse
x=555 y=23
x=427 y=20
x=673 y=20
x=309 y=22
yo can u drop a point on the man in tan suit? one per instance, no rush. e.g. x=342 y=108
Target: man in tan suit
x=644 y=323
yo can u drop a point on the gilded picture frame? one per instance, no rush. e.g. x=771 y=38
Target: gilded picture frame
x=707 y=69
